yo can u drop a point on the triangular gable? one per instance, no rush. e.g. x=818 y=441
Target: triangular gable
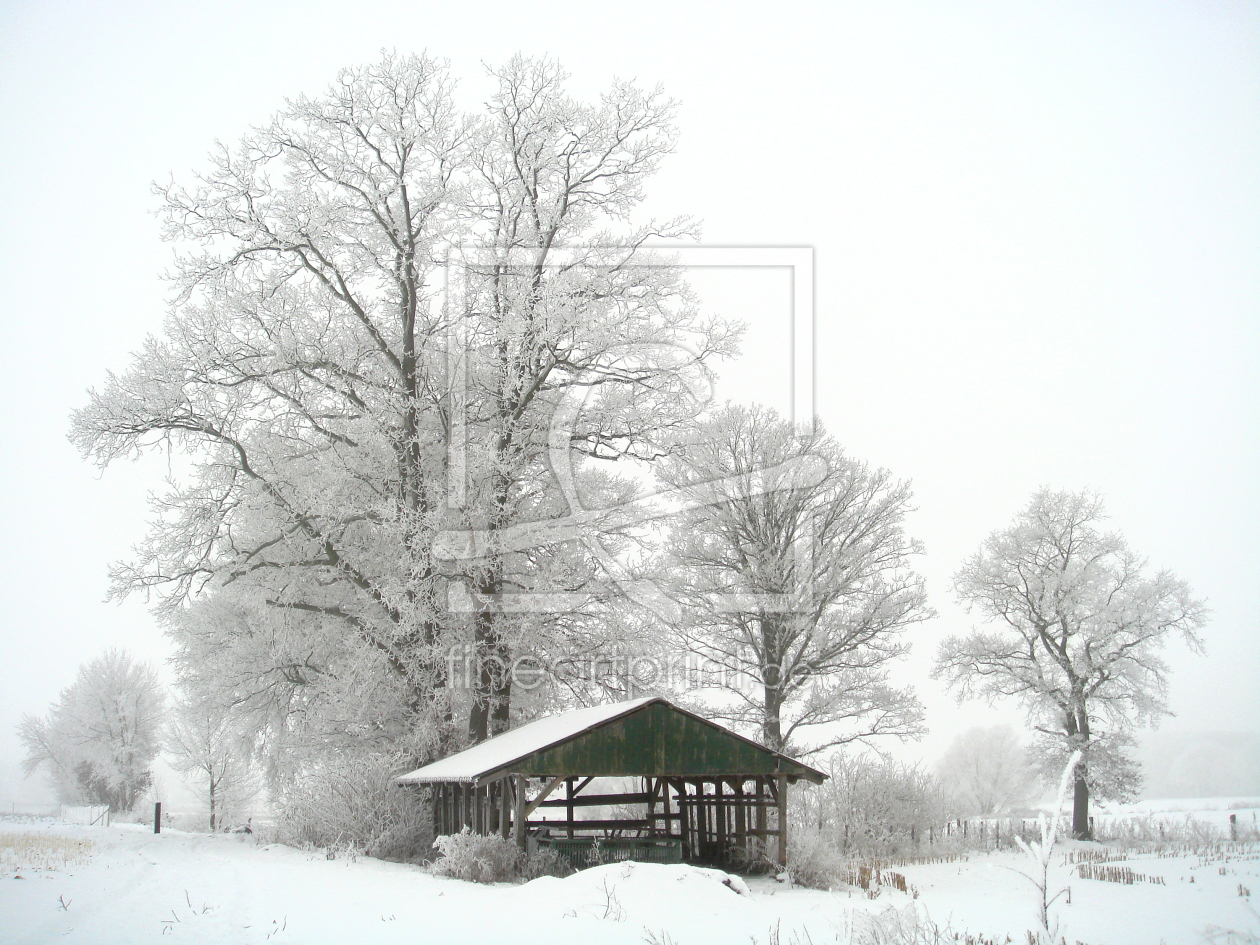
x=647 y=737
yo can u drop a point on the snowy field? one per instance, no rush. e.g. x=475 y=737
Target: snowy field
x=127 y=885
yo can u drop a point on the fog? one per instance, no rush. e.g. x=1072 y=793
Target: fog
x=1035 y=236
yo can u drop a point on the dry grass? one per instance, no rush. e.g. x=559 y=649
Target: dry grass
x=34 y=851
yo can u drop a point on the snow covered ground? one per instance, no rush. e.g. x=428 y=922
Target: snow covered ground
x=137 y=887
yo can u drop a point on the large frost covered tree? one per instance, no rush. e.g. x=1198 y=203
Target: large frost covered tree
x=100 y=737
x=794 y=579
x=380 y=304
x=1077 y=627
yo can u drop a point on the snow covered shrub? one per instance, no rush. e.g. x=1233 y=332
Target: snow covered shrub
x=814 y=860
x=353 y=803
x=492 y=859
x=754 y=856
x=545 y=862
x=906 y=926
x=475 y=858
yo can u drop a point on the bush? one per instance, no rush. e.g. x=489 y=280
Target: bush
x=477 y=859
x=353 y=804
x=754 y=856
x=492 y=859
x=815 y=861
x=546 y=862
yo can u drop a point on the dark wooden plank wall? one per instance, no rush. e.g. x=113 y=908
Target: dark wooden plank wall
x=714 y=817
x=719 y=815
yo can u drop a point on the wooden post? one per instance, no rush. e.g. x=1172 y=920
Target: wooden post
x=505 y=818
x=760 y=812
x=650 y=791
x=518 y=820
x=157 y=817
x=783 y=820
x=702 y=820
x=568 y=791
x=724 y=816
x=684 y=815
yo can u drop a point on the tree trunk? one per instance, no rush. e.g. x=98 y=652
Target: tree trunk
x=212 y=805
x=492 y=693
x=1080 y=806
x=771 y=726
x=1076 y=724
x=772 y=686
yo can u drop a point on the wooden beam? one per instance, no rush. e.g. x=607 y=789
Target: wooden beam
x=550 y=786
x=518 y=818
x=597 y=824
x=598 y=800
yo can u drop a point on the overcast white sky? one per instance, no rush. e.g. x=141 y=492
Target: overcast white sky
x=1036 y=231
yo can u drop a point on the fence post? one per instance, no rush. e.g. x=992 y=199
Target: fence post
x=157 y=817
x=783 y=820
x=1233 y=826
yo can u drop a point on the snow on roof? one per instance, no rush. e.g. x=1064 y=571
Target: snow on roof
x=500 y=751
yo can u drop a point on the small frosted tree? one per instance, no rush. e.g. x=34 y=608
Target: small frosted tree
x=101 y=735
x=1077 y=630
x=989 y=770
x=794 y=579
x=203 y=742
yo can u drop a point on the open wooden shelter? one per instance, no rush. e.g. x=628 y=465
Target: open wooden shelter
x=703 y=792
